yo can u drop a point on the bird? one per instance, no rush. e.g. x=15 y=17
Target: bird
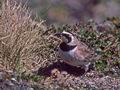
x=73 y=51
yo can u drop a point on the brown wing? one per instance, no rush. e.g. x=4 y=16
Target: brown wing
x=83 y=53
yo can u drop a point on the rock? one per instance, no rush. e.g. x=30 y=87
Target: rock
x=1 y=76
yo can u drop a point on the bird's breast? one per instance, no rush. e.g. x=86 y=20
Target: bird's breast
x=69 y=57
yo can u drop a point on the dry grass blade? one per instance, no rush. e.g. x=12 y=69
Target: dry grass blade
x=20 y=37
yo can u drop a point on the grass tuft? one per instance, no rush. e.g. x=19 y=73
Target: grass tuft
x=21 y=38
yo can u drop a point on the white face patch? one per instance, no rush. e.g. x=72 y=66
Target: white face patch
x=72 y=38
x=72 y=41
x=67 y=33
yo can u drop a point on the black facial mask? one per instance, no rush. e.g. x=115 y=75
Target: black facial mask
x=68 y=37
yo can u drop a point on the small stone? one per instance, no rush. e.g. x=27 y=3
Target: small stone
x=30 y=89
x=9 y=83
x=55 y=73
x=64 y=73
x=13 y=80
x=1 y=76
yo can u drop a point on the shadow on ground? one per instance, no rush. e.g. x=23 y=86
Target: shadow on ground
x=46 y=71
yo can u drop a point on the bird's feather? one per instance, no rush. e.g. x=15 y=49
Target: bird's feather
x=83 y=53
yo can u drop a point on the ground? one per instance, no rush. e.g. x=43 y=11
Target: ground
x=29 y=59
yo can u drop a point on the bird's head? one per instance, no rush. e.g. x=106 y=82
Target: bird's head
x=66 y=37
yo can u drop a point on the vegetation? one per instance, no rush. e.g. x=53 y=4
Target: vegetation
x=26 y=46
x=20 y=38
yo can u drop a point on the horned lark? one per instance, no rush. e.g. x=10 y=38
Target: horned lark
x=74 y=52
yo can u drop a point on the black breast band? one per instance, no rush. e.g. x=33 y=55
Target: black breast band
x=65 y=47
